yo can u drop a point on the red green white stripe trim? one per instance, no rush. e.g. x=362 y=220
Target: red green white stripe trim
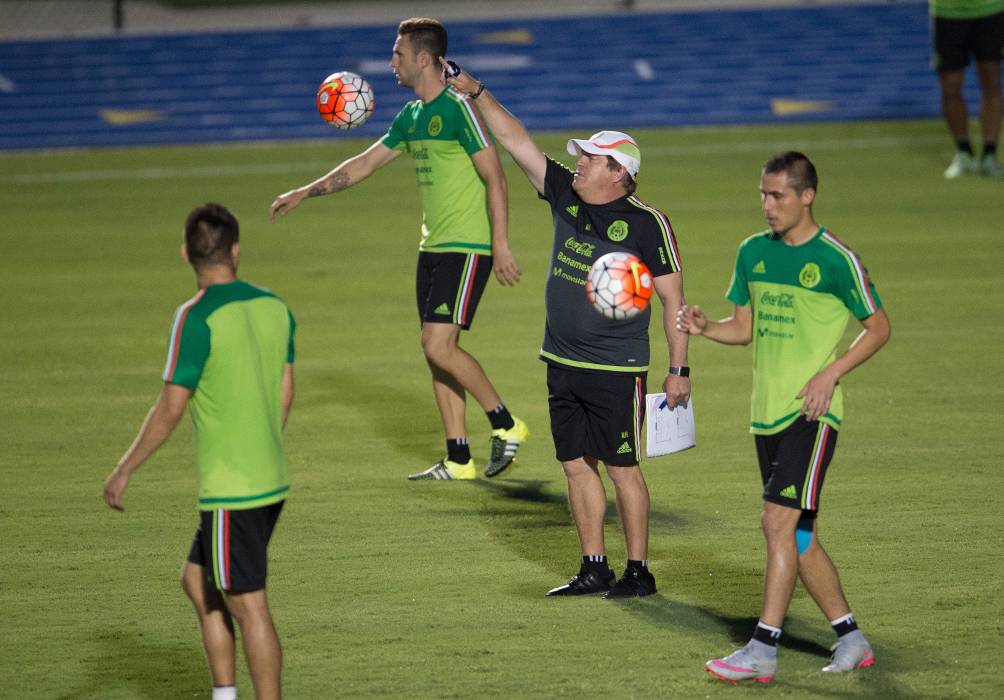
x=857 y=270
x=814 y=477
x=174 y=345
x=639 y=405
x=472 y=116
x=221 y=549
x=667 y=231
x=466 y=289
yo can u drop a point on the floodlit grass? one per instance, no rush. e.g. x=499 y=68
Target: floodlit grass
x=386 y=588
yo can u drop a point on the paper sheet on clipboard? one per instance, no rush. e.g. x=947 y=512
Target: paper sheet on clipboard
x=668 y=431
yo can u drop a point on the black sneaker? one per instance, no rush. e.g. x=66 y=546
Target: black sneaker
x=586 y=582
x=635 y=583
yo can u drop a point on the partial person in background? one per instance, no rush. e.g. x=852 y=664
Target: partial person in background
x=230 y=360
x=960 y=29
x=464 y=237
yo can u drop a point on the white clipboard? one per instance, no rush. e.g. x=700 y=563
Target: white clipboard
x=668 y=431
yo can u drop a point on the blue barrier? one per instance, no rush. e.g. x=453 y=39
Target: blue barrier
x=583 y=73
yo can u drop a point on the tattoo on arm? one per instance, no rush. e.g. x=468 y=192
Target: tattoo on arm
x=336 y=182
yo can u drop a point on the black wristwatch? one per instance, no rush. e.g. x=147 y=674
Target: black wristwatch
x=683 y=371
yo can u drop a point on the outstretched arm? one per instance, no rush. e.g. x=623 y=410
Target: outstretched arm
x=818 y=392
x=737 y=329
x=670 y=290
x=346 y=174
x=509 y=131
x=160 y=422
x=486 y=162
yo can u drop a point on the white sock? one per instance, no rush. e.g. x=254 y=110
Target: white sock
x=224 y=692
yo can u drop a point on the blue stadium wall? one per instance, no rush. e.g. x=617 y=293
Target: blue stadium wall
x=582 y=73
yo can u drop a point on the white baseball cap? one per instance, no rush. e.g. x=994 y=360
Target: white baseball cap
x=615 y=144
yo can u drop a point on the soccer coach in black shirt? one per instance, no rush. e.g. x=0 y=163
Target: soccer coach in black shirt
x=597 y=367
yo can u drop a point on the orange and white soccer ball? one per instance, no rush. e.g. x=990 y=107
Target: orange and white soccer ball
x=345 y=100
x=619 y=285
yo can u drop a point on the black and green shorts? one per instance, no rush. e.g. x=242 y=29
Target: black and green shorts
x=596 y=414
x=793 y=463
x=448 y=286
x=232 y=546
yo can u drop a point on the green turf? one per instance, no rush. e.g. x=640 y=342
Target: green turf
x=386 y=588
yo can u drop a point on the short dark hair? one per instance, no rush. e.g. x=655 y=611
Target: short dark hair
x=627 y=181
x=801 y=172
x=426 y=34
x=210 y=232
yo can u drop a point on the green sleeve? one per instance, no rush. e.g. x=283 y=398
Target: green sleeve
x=470 y=129
x=291 y=353
x=188 y=350
x=739 y=290
x=394 y=138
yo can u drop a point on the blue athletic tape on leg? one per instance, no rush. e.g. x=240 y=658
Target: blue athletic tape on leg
x=803 y=535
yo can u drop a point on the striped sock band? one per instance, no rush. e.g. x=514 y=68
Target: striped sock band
x=844 y=625
x=767 y=634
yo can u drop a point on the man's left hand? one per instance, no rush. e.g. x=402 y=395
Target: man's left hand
x=818 y=393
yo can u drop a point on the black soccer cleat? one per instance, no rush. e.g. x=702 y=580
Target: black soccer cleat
x=586 y=582
x=635 y=583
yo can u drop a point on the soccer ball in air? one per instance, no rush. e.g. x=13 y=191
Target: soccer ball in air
x=345 y=100
x=619 y=286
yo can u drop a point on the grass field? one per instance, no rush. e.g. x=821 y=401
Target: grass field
x=386 y=588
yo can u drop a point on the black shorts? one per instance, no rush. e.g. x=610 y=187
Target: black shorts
x=448 y=286
x=596 y=415
x=953 y=41
x=793 y=463
x=231 y=545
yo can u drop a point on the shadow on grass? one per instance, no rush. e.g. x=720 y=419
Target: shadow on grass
x=400 y=416
x=127 y=660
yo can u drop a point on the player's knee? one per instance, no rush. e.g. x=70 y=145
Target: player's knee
x=625 y=476
x=436 y=350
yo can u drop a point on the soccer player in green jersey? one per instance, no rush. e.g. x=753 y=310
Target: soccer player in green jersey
x=960 y=29
x=230 y=360
x=464 y=237
x=793 y=287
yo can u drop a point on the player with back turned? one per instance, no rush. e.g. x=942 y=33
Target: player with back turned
x=793 y=288
x=230 y=360
x=464 y=237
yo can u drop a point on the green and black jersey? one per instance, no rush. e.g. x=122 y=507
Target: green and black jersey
x=965 y=9
x=441 y=136
x=575 y=335
x=800 y=298
x=230 y=344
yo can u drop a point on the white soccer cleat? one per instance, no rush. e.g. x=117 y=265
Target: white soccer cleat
x=962 y=164
x=445 y=470
x=743 y=665
x=848 y=656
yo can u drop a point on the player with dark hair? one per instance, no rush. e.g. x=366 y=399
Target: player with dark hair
x=597 y=368
x=230 y=359
x=961 y=29
x=793 y=287
x=464 y=237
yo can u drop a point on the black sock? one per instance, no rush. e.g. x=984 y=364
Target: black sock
x=500 y=417
x=964 y=145
x=638 y=564
x=458 y=451
x=989 y=149
x=595 y=561
x=767 y=635
x=844 y=625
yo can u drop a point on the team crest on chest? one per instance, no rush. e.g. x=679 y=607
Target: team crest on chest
x=435 y=125
x=810 y=276
x=617 y=231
